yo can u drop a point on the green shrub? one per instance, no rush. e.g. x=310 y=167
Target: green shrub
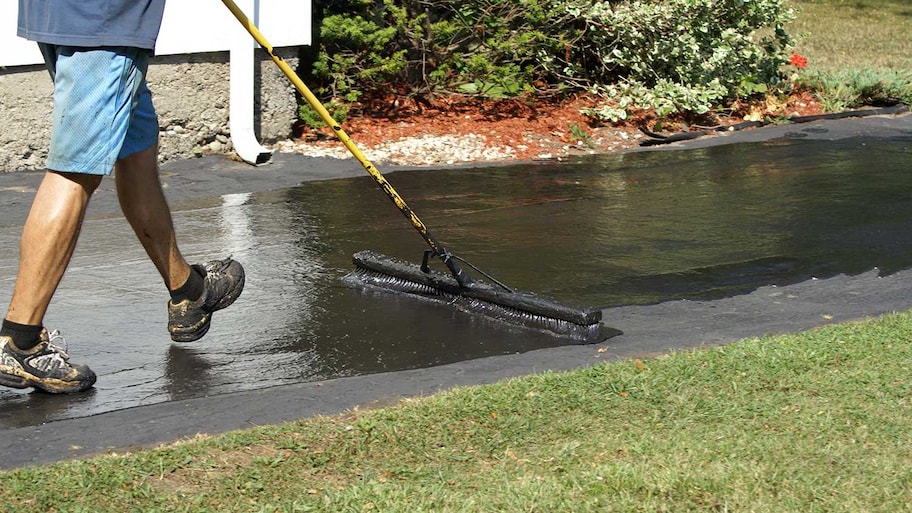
x=311 y=118
x=685 y=55
x=492 y=48
x=360 y=52
x=671 y=55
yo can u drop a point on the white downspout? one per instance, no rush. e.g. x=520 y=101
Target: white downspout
x=241 y=100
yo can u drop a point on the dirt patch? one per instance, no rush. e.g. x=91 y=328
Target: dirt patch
x=526 y=130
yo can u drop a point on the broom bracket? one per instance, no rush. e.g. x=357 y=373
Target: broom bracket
x=428 y=253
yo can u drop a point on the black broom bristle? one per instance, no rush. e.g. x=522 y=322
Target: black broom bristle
x=517 y=308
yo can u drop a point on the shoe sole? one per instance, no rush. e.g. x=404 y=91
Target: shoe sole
x=11 y=381
x=192 y=336
x=52 y=386
x=200 y=332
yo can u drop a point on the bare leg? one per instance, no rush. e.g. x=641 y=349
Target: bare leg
x=143 y=203
x=48 y=240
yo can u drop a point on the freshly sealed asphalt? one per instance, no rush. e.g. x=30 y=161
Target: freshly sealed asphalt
x=648 y=330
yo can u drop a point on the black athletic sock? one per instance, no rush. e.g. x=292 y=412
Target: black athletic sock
x=192 y=289
x=25 y=336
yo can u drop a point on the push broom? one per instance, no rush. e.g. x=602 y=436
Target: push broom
x=455 y=288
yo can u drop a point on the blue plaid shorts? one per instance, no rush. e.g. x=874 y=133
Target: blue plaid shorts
x=102 y=108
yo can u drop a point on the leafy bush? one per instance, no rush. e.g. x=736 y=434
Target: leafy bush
x=664 y=97
x=671 y=55
x=310 y=117
x=493 y=48
x=361 y=52
x=686 y=55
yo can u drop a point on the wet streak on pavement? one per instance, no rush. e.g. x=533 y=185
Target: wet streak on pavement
x=633 y=229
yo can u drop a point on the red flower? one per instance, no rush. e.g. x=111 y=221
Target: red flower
x=798 y=61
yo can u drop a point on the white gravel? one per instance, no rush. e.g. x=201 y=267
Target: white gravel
x=430 y=150
x=424 y=150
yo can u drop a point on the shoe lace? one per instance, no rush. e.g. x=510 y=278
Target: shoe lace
x=55 y=339
x=219 y=266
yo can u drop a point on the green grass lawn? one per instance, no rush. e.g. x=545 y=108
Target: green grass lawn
x=816 y=421
x=859 y=52
x=838 y=35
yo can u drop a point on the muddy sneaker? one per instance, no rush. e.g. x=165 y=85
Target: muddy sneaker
x=45 y=367
x=223 y=283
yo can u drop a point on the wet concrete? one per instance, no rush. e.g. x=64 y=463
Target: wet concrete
x=718 y=226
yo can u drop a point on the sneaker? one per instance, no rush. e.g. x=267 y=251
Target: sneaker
x=45 y=367
x=223 y=283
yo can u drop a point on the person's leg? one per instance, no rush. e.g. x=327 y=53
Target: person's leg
x=94 y=90
x=198 y=290
x=143 y=203
x=48 y=240
x=29 y=355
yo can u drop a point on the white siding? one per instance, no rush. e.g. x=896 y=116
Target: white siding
x=189 y=26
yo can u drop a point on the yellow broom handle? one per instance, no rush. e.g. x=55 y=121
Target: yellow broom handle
x=346 y=140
